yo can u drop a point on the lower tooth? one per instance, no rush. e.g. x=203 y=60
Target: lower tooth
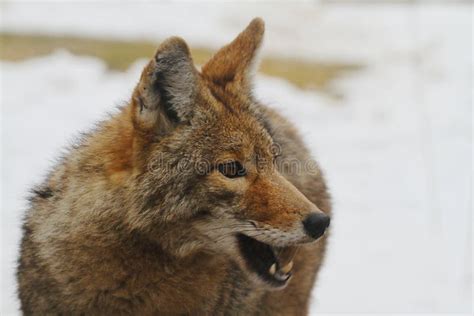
x=286 y=255
x=272 y=269
x=282 y=277
x=287 y=268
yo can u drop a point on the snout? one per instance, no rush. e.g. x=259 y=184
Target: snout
x=315 y=224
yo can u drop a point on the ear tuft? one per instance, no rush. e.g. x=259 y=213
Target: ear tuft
x=234 y=63
x=167 y=89
x=175 y=78
x=256 y=28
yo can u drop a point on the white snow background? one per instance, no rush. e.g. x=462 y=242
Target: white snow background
x=396 y=149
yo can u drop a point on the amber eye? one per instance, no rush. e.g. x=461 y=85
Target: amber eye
x=232 y=169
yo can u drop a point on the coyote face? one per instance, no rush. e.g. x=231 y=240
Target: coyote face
x=206 y=164
x=192 y=199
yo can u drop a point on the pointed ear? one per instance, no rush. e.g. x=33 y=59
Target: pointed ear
x=166 y=93
x=235 y=63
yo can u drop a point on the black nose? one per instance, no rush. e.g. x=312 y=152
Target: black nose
x=315 y=224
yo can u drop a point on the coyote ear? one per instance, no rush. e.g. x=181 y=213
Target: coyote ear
x=166 y=92
x=235 y=62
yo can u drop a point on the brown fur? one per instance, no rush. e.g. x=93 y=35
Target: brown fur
x=136 y=219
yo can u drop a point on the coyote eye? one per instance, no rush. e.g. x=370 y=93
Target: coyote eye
x=232 y=169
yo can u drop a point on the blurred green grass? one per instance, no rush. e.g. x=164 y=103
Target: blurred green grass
x=119 y=54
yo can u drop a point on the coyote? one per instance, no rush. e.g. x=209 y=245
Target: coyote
x=193 y=198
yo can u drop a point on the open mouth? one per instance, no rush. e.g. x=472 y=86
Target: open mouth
x=273 y=265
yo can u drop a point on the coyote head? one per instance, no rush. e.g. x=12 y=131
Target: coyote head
x=204 y=162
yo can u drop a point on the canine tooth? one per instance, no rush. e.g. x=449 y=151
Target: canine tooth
x=282 y=277
x=286 y=269
x=285 y=255
x=272 y=269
